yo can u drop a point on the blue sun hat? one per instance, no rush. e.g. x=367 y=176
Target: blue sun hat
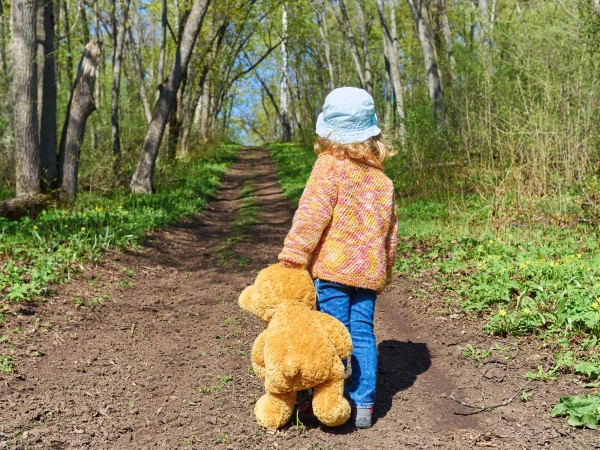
x=348 y=116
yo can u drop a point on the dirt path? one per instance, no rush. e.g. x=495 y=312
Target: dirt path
x=157 y=353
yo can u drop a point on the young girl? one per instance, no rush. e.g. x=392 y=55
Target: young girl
x=345 y=231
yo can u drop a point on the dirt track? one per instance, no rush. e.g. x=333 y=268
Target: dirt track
x=163 y=362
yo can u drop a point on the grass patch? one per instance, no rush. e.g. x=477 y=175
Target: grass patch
x=52 y=247
x=527 y=267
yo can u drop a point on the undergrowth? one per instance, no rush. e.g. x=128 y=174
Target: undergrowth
x=527 y=267
x=53 y=247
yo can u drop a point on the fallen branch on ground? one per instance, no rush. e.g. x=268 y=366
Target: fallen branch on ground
x=479 y=408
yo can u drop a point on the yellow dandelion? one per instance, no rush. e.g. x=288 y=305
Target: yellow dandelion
x=595 y=305
x=502 y=312
x=35 y=227
x=581 y=266
x=82 y=228
x=526 y=310
x=554 y=284
x=522 y=266
x=579 y=255
x=491 y=241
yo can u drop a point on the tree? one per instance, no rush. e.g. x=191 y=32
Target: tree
x=420 y=13
x=322 y=24
x=389 y=49
x=118 y=41
x=81 y=105
x=24 y=66
x=141 y=182
x=286 y=130
x=47 y=92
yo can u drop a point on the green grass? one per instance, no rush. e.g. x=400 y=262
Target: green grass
x=54 y=246
x=528 y=268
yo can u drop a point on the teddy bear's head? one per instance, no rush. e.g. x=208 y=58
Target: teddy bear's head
x=276 y=286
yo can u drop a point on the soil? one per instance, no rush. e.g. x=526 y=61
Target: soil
x=150 y=350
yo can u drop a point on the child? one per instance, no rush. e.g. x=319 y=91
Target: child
x=345 y=231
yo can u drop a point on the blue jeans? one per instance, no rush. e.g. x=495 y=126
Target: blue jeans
x=355 y=308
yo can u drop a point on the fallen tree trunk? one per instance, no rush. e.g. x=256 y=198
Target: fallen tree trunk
x=26 y=205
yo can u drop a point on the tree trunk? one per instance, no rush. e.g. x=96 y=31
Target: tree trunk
x=390 y=47
x=286 y=130
x=26 y=205
x=47 y=93
x=346 y=27
x=365 y=48
x=135 y=52
x=160 y=74
x=67 y=34
x=188 y=107
x=81 y=105
x=24 y=61
x=118 y=41
x=3 y=40
x=325 y=41
x=142 y=178
x=205 y=108
x=447 y=39
x=420 y=13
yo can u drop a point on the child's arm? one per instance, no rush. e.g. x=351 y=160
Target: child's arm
x=313 y=214
x=391 y=244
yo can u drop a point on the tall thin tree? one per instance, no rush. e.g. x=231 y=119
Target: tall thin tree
x=118 y=42
x=286 y=129
x=142 y=178
x=24 y=68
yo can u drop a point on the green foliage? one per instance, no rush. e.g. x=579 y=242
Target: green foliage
x=52 y=247
x=294 y=164
x=583 y=411
x=5 y=364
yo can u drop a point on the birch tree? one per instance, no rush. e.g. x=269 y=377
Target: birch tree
x=317 y=8
x=420 y=13
x=286 y=131
x=142 y=178
x=24 y=68
x=389 y=48
x=118 y=42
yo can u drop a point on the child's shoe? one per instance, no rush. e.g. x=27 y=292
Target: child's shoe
x=363 y=417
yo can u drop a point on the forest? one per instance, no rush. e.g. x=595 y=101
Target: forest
x=124 y=121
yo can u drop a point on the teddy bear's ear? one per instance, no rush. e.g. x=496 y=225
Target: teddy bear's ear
x=245 y=299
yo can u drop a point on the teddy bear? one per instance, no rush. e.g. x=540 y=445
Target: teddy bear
x=300 y=349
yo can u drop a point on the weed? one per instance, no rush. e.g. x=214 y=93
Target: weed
x=476 y=354
x=229 y=321
x=126 y=284
x=5 y=364
x=223 y=439
x=582 y=411
x=128 y=272
x=222 y=382
x=53 y=247
x=525 y=396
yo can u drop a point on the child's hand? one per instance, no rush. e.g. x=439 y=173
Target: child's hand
x=290 y=265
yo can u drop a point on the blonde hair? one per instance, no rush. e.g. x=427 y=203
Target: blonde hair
x=375 y=147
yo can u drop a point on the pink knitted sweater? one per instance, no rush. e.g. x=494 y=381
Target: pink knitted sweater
x=345 y=228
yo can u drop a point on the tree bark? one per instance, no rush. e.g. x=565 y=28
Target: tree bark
x=26 y=205
x=3 y=40
x=448 y=41
x=142 y=178
x=420 y=13
x=118 y=41
x=67 y=35
x=24 y=61
x=47 y=93
x=346 y=27
x=205 y=108
x=135 y=52
x=286 y=130
x=365 y=48
x=81 y=105
x=160 y=74
x=394 y=66
x=321 y=23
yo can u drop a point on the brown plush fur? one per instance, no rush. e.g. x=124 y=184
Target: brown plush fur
x=300 y=348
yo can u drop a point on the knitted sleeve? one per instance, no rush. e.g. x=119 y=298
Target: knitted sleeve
x=313 y=214
x=391 y=244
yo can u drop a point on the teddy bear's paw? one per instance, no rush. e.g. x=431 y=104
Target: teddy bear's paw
x=329 y=405
x=273 y=411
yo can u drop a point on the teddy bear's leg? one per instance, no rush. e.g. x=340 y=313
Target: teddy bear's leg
x=274 y=410
x=329 y=404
